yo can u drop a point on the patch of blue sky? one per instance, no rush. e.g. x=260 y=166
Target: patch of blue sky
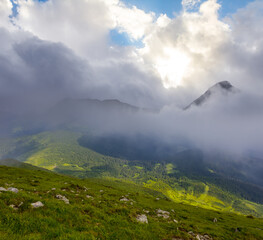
x=168 y=7
x=14 y=9
x=123 y=39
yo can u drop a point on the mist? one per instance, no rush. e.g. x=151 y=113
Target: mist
x=41 y=68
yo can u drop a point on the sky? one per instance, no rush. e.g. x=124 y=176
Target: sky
x=151 y=54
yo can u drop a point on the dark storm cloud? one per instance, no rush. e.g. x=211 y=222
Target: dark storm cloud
x=38 y=73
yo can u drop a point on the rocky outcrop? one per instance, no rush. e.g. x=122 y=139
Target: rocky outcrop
x=162 y=213
x=37 y=204
x=62 y=198
x=142 y=218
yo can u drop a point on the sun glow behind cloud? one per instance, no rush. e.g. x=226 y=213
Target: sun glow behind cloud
x=172 y=67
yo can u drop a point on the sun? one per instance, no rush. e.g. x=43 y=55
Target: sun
x=172 y=67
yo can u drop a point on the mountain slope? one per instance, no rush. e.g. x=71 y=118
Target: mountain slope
x=102 y=209
x=176 y=178
x=18 y=164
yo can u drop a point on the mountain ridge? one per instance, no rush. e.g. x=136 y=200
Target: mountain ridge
x=223 y=87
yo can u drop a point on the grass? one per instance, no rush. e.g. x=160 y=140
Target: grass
x=104 y=216
x=60 y=152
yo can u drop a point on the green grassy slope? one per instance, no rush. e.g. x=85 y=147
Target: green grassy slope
x=103 y=215
x=59 y=151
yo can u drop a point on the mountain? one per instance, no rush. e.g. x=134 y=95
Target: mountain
x=223 y=88
x=182 y=175
x=87 y=113
x=14 y=163
x=44 y=205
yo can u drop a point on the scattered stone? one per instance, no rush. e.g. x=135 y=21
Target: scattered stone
x=20 y=204
x=2 y=189
x=199 y=236
x=124 y=199
x=101 y=191
x=146 y=211
x=88 y=196
x=176 y=221
x=215 y=220
x=53 y=189
x=62 y=198
x=14 y=190
x=13 y=206
x=157 y=199
x=162 y=213
x=37 y=204
x=142 y=218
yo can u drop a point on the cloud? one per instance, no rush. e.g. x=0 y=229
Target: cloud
x=185 y=47
x=82 y=25
x=60 y=49
x=5 y=12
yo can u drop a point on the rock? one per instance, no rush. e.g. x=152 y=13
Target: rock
x=146 y=211
x=37 y=204
x=14 y=190
x=88 y=196
x=157 y=199
x=53 y=189
x=142 y=218
x=124 y=199
x=62 y=198
x=215 y=220
x=199 y=236
x=176 y=221
x=13 y=206
x=2 y=189
x=162 y=213
x=101 y=191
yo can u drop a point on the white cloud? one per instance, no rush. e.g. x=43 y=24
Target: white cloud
x=82 y=25
x=183 y=50
x=133 y=21
x=5 y=12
